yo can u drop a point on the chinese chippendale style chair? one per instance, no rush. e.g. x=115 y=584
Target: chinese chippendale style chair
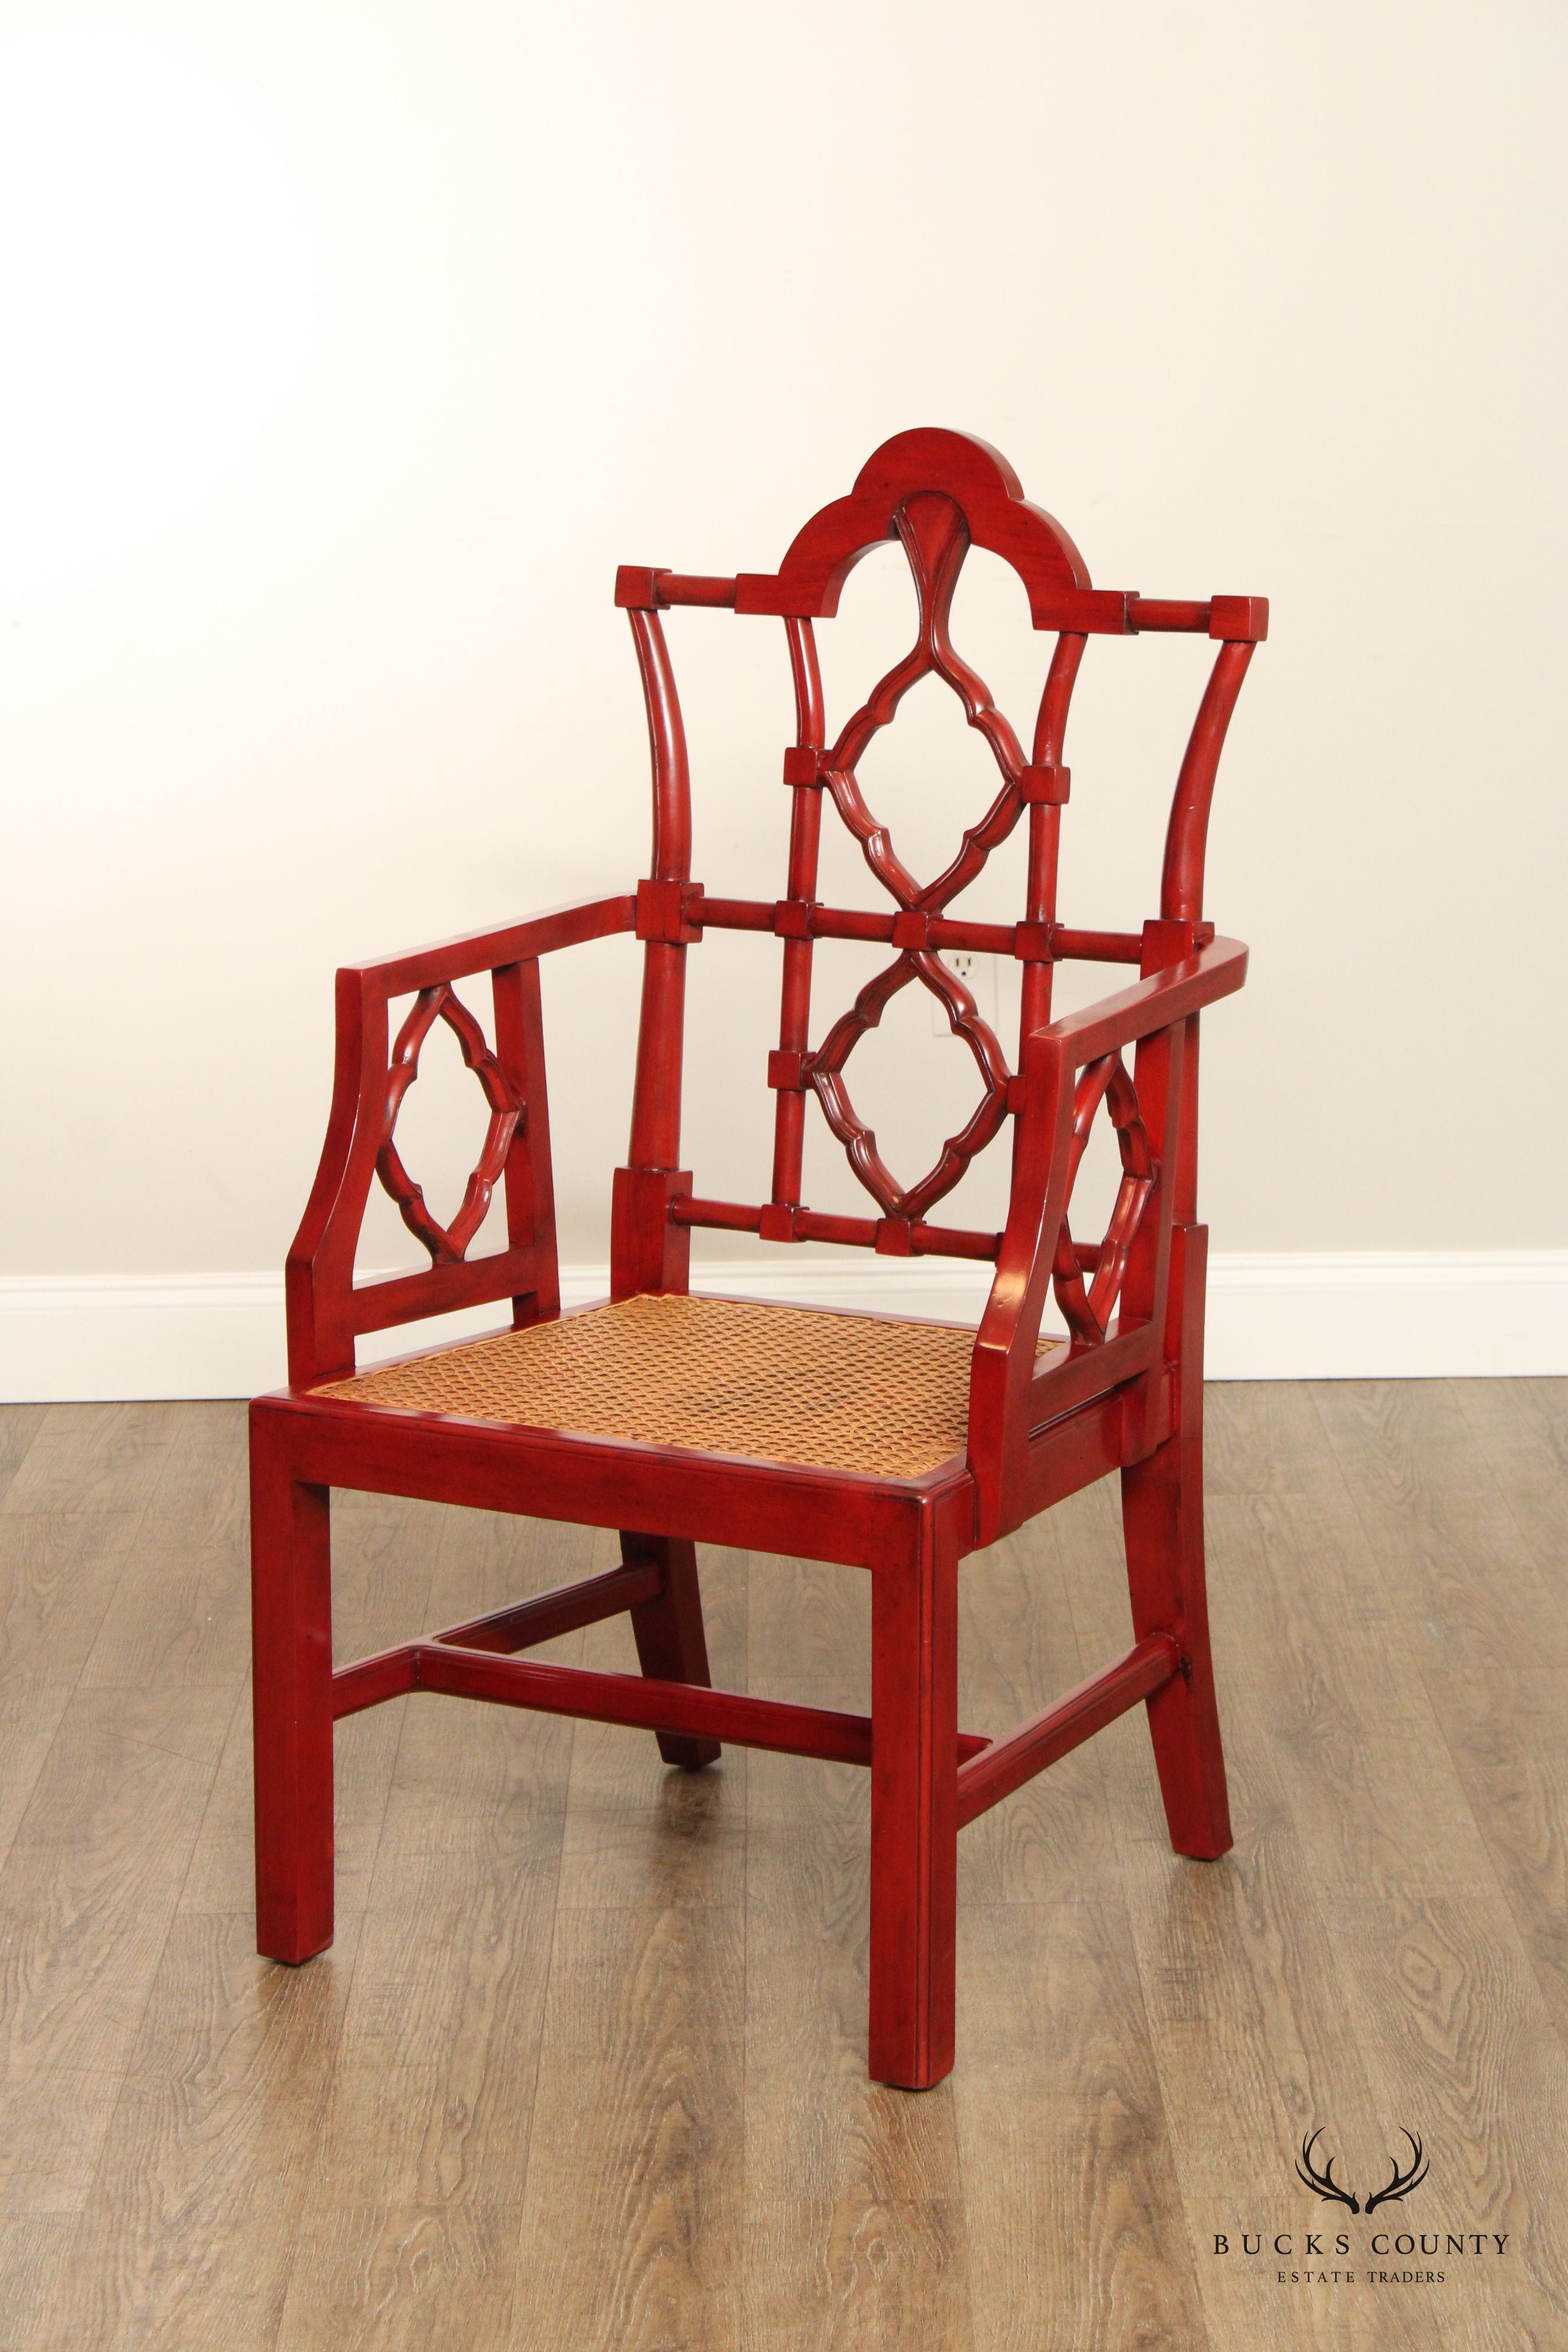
x=893 y=1447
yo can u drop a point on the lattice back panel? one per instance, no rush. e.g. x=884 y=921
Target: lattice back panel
x=937 y=494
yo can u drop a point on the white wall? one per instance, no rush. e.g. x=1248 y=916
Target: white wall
x=350 y=347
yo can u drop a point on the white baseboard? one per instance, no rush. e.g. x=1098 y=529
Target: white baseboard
x=1366 y=1315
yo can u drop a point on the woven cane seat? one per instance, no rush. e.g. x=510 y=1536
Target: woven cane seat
x=790 y=1384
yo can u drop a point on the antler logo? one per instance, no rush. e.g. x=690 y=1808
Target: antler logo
x=1325 y=2186
x=1402 y=2183
x=1323 y=2183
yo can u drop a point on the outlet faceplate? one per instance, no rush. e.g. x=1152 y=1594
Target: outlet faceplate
x=978 y=973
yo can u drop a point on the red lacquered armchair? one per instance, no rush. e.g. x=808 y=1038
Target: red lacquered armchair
x=893 y=1446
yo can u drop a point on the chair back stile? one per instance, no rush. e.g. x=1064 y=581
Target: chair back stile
x=805 y=845
x=648 y=1252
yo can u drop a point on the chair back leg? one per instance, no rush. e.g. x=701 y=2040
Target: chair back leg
x=290 y=1550
x=1162 y=1522
x=671 y=1645
x=914 y=1813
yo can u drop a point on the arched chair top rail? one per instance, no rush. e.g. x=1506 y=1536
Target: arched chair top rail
x=989 y=496
x=931 y=461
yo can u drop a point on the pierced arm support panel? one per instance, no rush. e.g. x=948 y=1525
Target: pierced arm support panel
x=1151 y=1113
x=327 y=1309
x=447 y=1243
x=1087 y=1313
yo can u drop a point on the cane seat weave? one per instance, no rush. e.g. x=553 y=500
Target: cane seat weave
x=855 y=1392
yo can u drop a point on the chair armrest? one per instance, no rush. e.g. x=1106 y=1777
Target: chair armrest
x=1170 y=995
x=537 y=935
x=1003 y=1377
x=327 y=1309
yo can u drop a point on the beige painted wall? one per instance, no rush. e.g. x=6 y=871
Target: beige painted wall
x=351 y=346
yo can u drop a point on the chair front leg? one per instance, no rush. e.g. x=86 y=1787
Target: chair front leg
x=671 y=1645
x=290 y=1554
x=914 y=1817
x=1162 y=1522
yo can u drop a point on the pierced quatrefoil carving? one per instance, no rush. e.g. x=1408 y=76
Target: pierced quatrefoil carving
x=859 y=1141
x=447 y=1244
x=935 y=541
x=1088 y=1310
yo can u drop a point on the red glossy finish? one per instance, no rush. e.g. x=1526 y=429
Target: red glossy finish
x=1122 y=1393
x=440 y=1662
x=292 y=1635
x=565 y=1610
x=914 y=1809
x=667 y=1629
x=1005 y=1764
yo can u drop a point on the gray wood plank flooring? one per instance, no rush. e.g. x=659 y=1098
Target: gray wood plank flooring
x=584 y=2068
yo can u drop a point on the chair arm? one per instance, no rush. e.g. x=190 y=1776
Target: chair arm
x=1003 y=1369
x=537 y=935
x=1154 y=1004
x=327 y=1310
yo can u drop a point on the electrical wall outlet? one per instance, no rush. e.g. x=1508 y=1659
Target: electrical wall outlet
x=978 y=973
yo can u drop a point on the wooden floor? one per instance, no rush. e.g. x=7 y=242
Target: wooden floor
x=586 y=2065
